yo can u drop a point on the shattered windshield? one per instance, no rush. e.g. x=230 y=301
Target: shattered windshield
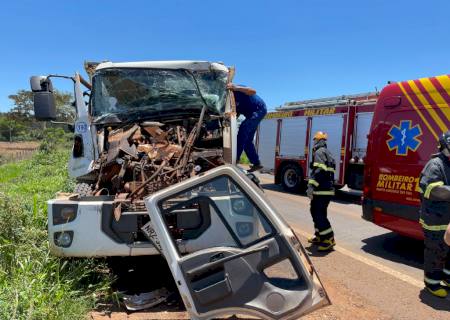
x=132 y=93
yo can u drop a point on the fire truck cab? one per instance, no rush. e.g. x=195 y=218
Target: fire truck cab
x=285 y=137
x=408 y=119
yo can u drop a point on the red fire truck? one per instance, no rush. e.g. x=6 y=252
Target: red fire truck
x=408 y=119
x=284 y=138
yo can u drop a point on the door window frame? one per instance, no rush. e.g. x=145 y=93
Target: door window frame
x=261 y=215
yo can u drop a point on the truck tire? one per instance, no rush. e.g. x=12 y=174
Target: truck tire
x=292 y=178
x=83 y=189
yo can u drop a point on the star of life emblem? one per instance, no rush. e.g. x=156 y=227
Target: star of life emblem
x=404 y=138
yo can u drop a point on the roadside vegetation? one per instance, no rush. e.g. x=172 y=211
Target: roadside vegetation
x=34 y=284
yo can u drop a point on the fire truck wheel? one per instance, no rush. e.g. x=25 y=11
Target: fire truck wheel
x=291 y=178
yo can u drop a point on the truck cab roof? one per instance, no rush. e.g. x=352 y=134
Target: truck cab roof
x=180 y=64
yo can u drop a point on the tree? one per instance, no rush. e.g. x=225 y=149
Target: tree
x=10 y=128
x=23 y=106
x=20 y=124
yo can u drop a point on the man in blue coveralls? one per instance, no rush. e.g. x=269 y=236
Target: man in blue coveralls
x=253 y=108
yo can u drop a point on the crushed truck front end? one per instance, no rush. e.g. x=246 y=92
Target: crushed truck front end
x=148 y=125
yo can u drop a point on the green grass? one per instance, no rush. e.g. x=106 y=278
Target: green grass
x=34 y=284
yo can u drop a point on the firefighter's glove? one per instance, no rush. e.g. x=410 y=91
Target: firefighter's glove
x=309 y=192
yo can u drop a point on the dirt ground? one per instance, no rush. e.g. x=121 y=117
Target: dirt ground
x=345 y=305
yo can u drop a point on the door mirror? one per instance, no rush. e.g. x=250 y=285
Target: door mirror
x=44 y=101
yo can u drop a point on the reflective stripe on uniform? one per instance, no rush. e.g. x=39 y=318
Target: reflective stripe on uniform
x=431 y=186
x=323 y=166
x=313 y=182
x=324 y=193
x=431 y=281
x=324 y=232
x=446 y=271
x=320 y=165
x=441 y=227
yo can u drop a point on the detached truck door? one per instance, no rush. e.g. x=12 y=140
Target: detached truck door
x=254 y=266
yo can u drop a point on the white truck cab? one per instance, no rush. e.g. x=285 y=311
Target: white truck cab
x=156 y=97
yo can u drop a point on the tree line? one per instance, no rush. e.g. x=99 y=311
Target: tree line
x=19 y=124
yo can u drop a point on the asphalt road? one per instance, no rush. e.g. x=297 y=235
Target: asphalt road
x=379 y=268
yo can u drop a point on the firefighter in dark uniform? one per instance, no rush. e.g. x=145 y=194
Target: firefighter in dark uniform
x=435 y=217
x=320 y=190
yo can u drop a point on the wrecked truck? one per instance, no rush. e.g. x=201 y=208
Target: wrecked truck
x=140 y=127
x=153 y=156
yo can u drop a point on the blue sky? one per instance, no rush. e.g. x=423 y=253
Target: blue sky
x=287 y=50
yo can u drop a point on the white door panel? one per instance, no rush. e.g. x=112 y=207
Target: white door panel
x=267 y=140
x=332 y=125
x=362 y=127
x=238 y=272
x=293 y=136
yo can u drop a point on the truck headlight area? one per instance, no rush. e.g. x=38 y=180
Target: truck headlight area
x=63 y=239
x=64 y=213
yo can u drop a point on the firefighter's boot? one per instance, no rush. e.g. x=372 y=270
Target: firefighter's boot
x=255 y=167
x=446 y=281
x=315 y=239
x=326 y=244
x=436 y=290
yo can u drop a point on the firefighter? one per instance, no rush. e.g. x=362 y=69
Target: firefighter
x=435 y=217
x=253 y=108
x=320 y=190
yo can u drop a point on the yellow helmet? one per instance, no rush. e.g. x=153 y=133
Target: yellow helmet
x=320 y=136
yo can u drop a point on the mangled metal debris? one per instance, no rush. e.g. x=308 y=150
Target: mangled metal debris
x=142 y=158
x=145 y=300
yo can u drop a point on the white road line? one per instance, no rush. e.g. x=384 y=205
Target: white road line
x=371 y=263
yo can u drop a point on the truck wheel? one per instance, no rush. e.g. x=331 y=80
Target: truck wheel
x=291 y=178
x=83 y=189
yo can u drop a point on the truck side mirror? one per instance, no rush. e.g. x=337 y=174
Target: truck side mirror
x=44 y=101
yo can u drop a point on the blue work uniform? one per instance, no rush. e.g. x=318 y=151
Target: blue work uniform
x=253 y=109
